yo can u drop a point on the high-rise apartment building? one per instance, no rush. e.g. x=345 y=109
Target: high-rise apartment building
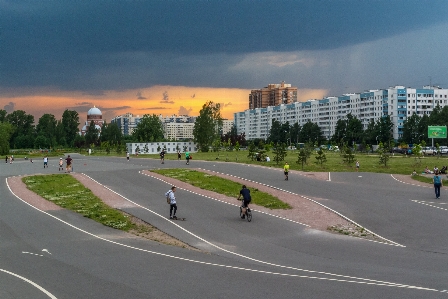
x=272 y=95
x=396 y=102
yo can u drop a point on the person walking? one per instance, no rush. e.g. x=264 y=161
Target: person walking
x=6 y=159
x=171 y=199
x=187 y=157
x=357 y=166
x=61 y=164
x=45 y=161
x=162 y=156
x=178 y=156
x=68 y=162
x=286 y=170
x=127 y=156
x=437 y=181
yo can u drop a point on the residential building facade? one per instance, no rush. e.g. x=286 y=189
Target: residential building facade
x=272 y=95
x=398 y=102
x=175 y=127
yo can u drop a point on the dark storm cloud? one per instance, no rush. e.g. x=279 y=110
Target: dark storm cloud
x=9 y=107
x=93 y=46
x=140 y=96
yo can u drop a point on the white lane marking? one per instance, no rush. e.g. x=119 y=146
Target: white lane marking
x=45 y=250
x=409 y=183
x=358 y=280
x=429 y=204
x=392 y=243
x=31 y=282
x=26 y=252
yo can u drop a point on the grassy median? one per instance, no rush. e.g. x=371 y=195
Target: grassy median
x=67 y=192
x=222 y=186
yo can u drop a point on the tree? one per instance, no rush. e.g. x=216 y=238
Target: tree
x=347 y=154
x=3 y=115
x=321 y=157
x=311 y=133
x=111 y=133
x=340 y=131
x=411 y=128
x=354 y=129
x=279 y=151
x=149 y=129
x=275 y=132
x=302 y=157
x=41 y=142
x=294 y=133
x=417 y=152
x=92 y=135
x=70 y=123
x=383 y=154
x=46 y=130
x=60 y=134
x=79 y=141
x=6 y=130
x=23 y=127
x=207 y=126
x=252 y=149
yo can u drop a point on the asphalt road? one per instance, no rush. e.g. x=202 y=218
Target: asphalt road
x=59 y=254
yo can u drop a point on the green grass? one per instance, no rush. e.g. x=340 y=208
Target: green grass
x=397 y=164
x=222 y=186
x=69 y=193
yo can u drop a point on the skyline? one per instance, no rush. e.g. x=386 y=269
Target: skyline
x=170 y=57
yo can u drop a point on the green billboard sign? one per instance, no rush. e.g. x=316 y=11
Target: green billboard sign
x=436 y=131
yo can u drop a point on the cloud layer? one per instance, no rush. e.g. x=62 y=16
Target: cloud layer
x=95 y=49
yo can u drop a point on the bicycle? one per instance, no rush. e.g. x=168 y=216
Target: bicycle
x=248 y=213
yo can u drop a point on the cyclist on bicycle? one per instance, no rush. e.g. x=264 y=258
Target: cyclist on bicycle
x=245 y=193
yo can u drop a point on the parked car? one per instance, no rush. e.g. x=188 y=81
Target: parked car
x=398 y=150
x=429 y=150
x=443 y=150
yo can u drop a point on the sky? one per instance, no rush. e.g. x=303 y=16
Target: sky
x=171 y=57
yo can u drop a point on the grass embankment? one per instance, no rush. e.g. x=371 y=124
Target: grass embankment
x=222 y=186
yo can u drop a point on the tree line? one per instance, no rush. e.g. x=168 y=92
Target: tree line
x=18 y=131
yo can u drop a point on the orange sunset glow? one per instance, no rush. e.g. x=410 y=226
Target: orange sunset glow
x=165 y=100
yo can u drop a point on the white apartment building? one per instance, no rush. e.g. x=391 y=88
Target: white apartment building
x=398 y=102
x=126 y=122
x=175 y=127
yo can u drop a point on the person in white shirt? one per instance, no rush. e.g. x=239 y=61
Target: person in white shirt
x=172 y=201
x=45 y=162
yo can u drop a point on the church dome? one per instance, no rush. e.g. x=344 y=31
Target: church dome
x=94 y=111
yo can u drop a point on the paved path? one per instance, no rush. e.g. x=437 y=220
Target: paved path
x=59 y=254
